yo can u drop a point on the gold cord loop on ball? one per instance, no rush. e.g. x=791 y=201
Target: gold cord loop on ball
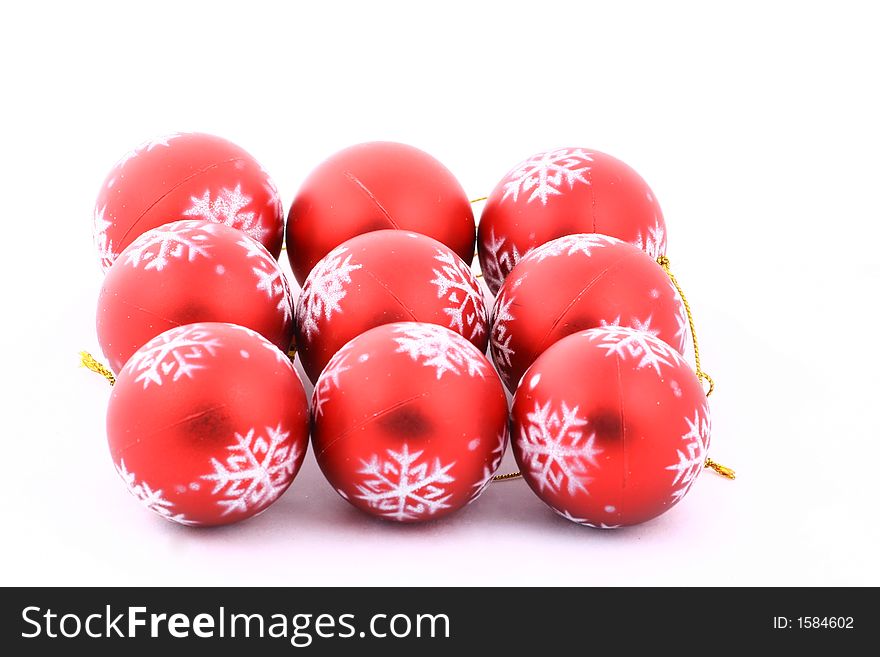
x=663 y=261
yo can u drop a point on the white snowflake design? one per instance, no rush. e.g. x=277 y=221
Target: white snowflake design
x=557 y=452
x=329 y=378
x=102 y=241
x=228 y=208
x=440 y=348
x=499 y=261
x=681 y=329
x=456 y=284
x=324 y=289
x=401 y=487
x=274 y=197
x=270 y=278
x=692 y=455
x=653 y=242
x=147 y=146
x=629 y=343
x=639 y=325
x=491 y=468
x=181 y=240
x=152 y=499
x=570 y=244
x=582 y=521
x=257 y=470
x=545 y=173
x=176 y=353
x=500 y=338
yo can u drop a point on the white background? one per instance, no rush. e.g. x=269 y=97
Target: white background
x=756 y=126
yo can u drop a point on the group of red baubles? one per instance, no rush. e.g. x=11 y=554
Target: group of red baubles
x=208 y=421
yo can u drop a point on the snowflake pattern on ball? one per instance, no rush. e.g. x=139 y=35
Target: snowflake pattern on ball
x=692 y=455
x=638 y=324
x=627 y=343
x=270 y=278
x=329 y=379
x=583 y=243
x=499 y=260
x=181 y=240
x=557 y=452
x=146 y=147
x=681 y=320
x=401 y=487
x=582 y=521
x=176 y=353
x=257 y=470
x=152 y=499
x=491 y=468
x=228 y=207
x=456 y=284
x=653 y=242
x=543 y=175
x=440 y=348
x=324 y=290
x=274 y=197
x=501 y=336
x=102 y=241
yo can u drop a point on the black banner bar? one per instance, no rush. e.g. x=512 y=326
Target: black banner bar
x=428 y=621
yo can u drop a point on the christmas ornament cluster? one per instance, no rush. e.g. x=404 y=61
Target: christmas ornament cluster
x=208 y=422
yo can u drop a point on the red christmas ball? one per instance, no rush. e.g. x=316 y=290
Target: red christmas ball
x=208 y=424
x=578 y=282
x=560 y=192
x=186 y=176
x=191 y=271
x=610 y=427
x=382 y=277
x=409 y=421
x=374 y=186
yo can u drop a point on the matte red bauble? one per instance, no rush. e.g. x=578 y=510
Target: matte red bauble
x=186 y=176
x=191 y=271
x=610 y=427
x=578 y=282
x=560 y=192
x=374 y=186
x=409 y=422
x=207 y=424
x=382 y=277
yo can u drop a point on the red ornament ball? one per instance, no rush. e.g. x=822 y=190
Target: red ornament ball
x=374 y=186
x=560 y=192
x=191 y=271
x=382 y=277
x=409 y=422
x=186 y=176
x=578 y=282
x=208 y=424
x=611 y=427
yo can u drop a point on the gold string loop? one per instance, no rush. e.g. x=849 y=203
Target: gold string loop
x=663 y=261
x=477 y=200
x=88 y=361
